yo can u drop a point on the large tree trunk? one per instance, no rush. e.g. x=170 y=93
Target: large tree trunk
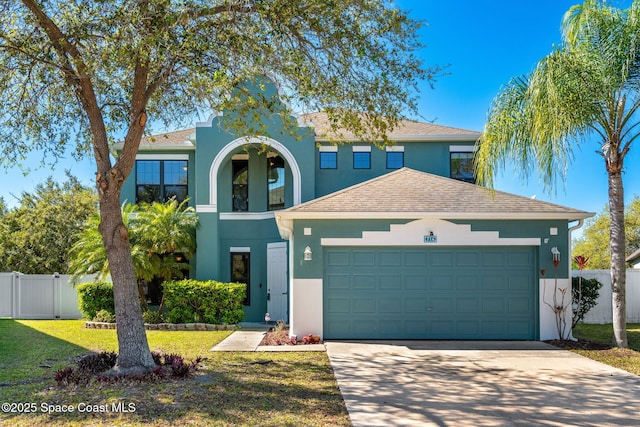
x=134 y=355
x=617 y=252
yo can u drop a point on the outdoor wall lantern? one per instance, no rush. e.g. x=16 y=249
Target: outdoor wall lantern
x=555 y=253
x=308 y=255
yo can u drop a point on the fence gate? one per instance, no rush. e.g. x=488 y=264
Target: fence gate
x=39 y=296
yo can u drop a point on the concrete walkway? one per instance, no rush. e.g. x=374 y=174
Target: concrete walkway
x=250 y=336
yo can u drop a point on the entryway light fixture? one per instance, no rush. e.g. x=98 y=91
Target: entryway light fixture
x=308 y=254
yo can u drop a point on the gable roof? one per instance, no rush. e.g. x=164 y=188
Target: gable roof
x=180 y=139
x=405 y=131
x=407 y=193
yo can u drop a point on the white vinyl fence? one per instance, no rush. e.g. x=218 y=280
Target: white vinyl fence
x=602 y=312
x=39 y=296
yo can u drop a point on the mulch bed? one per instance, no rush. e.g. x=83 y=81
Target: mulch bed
x=280 y=336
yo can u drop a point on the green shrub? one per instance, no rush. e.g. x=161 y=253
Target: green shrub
x=590 y=293
x=193 y=301
x=104 y=316
x=95 y=296
x=152 y=317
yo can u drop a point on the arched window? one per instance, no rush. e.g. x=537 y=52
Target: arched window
x=275 y=182
x=240 y=181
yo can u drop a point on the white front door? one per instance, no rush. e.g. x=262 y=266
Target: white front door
x=277 y=292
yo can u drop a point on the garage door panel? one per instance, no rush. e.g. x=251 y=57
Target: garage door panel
x=518 y=283
x=414 y=282
x=494 y=259
x=493 y=305
x=363 y=258
x=389 y=282
x=467 y=282
x=363 y=305
x=337 y=258
x=416 y=328
x=518 y=259
x=338 y=305
x=467 y=305
x=441 y=328
x=415 y=259
x=390 y=328
x=520 y=329
x=441 y=304
x=440 y=282
x=390 y=305
x=337 y=281
x=494 y=281
x=519 y=305
x=364 y=281
x=495 y=329
x=430 y=293
x=364 y=327
x=468 y=329
x=467 y=259
x=389 y=258
x=441 y=258
x=416 y=305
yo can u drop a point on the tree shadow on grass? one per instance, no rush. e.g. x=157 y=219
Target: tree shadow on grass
x=228 y=389
x=27 y=354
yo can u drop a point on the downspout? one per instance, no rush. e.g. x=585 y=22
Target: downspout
x=285 y=228
x=571 y=230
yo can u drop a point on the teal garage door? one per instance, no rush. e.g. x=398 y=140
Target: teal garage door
x=430 y=293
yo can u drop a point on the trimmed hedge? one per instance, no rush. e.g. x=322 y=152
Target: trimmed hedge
x=193 y=301
x=95 y=296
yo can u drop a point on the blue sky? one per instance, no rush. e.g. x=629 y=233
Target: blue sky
x=486 y=42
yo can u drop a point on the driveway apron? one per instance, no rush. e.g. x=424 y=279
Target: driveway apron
x=452 y=383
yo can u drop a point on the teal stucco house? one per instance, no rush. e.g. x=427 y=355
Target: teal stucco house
x=354 y=241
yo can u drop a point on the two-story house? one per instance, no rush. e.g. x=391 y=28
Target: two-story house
x=356 y=241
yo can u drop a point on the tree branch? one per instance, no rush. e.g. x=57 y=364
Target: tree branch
x=77 y=78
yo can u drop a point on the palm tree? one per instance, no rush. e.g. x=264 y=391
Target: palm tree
x=588 y=86
x=157 y=233
x=88 y=255
x=168 y=232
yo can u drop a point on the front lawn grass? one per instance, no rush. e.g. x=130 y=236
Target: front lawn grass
x=626 y=359
x=268 y=389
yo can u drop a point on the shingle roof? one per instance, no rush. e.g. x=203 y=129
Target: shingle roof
x=169 y=138
x=410 y=193
x=633 y=257
x=405 y=130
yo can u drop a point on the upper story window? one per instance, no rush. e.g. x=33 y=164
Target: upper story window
x=361 y=157
x=240 y=183
x=329 y=159
x=462 y=166
x=161 y=180
x=275 y=182
x=395 y=157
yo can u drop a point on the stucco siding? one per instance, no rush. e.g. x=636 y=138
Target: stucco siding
x=306 y=307
x=432 y=157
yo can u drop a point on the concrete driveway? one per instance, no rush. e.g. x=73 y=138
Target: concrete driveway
x=449 y=383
